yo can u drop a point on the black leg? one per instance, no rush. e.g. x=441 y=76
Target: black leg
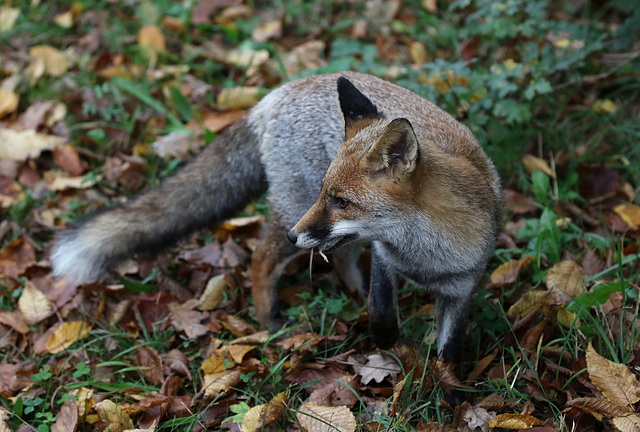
x=383 y=319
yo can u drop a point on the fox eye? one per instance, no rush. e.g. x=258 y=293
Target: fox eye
x=342 y=203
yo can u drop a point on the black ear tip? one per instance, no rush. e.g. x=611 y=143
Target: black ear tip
x=344 y=83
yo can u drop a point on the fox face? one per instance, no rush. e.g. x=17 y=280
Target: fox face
x=361 y=197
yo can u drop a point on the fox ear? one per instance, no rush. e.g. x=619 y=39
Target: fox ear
x=353 y=103
x=396 y=151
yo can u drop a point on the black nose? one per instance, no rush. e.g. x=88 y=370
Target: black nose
x=292 y=237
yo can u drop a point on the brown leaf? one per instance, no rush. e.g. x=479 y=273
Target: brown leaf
x=185 y=318
x=336 y=392
x=150 y=361
x=630 y=214
x=529 y=302
x=614 y=380
x=237 y=326
x=599 y=183
x=112 y=417
x=566 y=276
x=218 y=383
x=303 y=342
x=15 y=320
x=599 y=407
x=66 y=156
x=213 y=293
x=255 y=338
x=483 y=364
x=67 y=418
x=216 y=121
x=508 y=272
x=314 y=418
x=446 y=375
x=266 y=31
x=238 y=351
x=176 y=361
x=66 y=335
x=517 y=203
x=515 y=421
x=16 y=257
x=14 y=378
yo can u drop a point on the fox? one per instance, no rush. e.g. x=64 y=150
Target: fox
x=344 y=158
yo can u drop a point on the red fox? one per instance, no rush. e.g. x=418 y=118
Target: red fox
x=388 y=167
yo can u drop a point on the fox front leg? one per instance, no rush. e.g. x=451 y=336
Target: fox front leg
x=383 y=318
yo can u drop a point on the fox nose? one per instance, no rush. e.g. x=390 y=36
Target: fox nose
x=292 y=237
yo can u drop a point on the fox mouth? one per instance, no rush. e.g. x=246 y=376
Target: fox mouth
x=337 y=242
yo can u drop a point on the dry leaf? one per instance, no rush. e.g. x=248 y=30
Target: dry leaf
x=33 y=304
x=21 y=145
x=4 y=416
x=84 y=400
x=16 y=257
x=8 y=102
x=151 y=364
x=614 y=380
x=185 y=318
x=67 y=418
x=532 y=163
x=515 y=421
x=630 y=214
x=566 y=276
x=256 y=338
x=248 y=59
x=599 y=407
x=112 y=417
x=151 y=37
x=604 y=106
x=65 y=19
x=66 y=156
x=215 y=384
x=477 y=418
x=8 y=17
x=266 y=31
x=66 y=335
x=14 y=378
x=238 y=351
x=213 y=293
x=14 y=320
x=314 y=418
x=54 y=62
x=219 y=361
x=60 y=181
x=483 y=364
x=418 y=53
x=177 y=145
x=239 y=97
x=529 y=302
x=630 y=423
x=377 y=368
x=303 y=342
x=507 y=273
x=252 y=419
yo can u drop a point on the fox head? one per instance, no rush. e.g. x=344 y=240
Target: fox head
x=367 y=182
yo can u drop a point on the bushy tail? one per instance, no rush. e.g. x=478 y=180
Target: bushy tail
x=210 y=188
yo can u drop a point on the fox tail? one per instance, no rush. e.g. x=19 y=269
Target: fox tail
x=217 y=183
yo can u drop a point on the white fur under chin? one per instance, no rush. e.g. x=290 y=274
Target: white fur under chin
x=75 y=262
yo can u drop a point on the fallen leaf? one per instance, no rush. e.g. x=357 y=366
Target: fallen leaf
x=66 y=156
x=8 y=17
x=4 y=416
x=336 y=392
x=248 y=59
x=252 y=419
x=14 y=320
x=630 y=214
x=185 y=318
x=216 y=121
x=507 y=273
x=66 y=335
x=566 y=276
x=83 y=398
x=218 y=383
x=177 y=145
x=151 y=363
x=60 y=181
x=14 y=378
x=33 y=304
x=54 y=62
x=8 y=102
x=314 y=418
x=266 y=31
x=599 y=407
x=151 y=37
x=532 y=163
x=256 y=338
x=16 y=257
x=418 y=53
x=614 y=380
x=629 y=423
x=483 y=364
x=65 y=19
x=477 y=418
x=308 y=55
x=67 y=418
x=21 y=145
x=529 y=302
x=237 y=326
x=515 y=421
x=377 y=368
x=303 y=342
x=112 y=417
x=238 y=351
x=430 y=5
x=213 y=293
x=445 y=375
x=219 y=361
x=239 y=97
x=604 y=106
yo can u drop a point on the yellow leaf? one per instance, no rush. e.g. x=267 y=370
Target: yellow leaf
x=54 y=62
x=220 y=361
x=239 y=97
x=113 y=416
x=532 y=163
x=515 y=421
x=418 y=53
x=238 y=351
x=255 y=338
x=507 y=273
x=629 y=423
x=510 y=64
x=604 y=106
x=252 y=419
x=150 y=36
x=213 y=293
x=566 y=318
x=566 y=276
x=34 y=305
x=562 y=43
x=21 y=145
x=614 y=380
x=215 y=384
x=529 y=302
x=8 y=17
x=630 y=214
x=315 y=418
x=65 y=19
x=66 y=335
x=8 y=102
